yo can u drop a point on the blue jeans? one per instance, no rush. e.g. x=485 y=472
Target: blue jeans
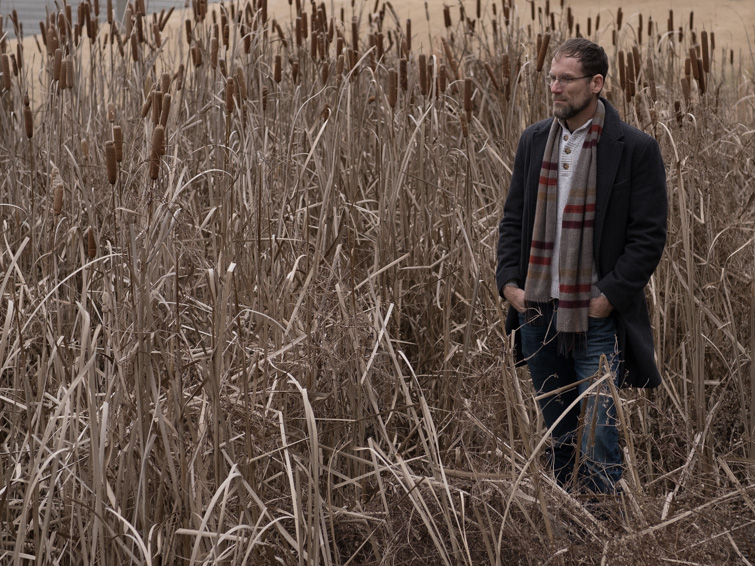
x=600 y=459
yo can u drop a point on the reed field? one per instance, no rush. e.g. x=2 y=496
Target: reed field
x=249 y=313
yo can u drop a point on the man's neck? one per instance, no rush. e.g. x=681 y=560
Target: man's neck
x=576 y=122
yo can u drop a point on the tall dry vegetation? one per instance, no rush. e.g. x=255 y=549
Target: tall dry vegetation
x=248 y=305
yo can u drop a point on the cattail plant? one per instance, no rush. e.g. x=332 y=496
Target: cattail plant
x=542 y=52
x=156 y=152
x=91 y=244
x=57 y=188
x=6 y=71
x=110 y=162
x=392 y=88
x=118 y=142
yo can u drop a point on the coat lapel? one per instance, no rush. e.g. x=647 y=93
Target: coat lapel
x=610 y=148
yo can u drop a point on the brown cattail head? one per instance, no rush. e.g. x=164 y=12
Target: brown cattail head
x=339 y=66
x=468 y=87
x=277 y=69
x=111 y=112
x=156 y=35
x=706 y=55
x=189 y=34
x=134 y=48
x=28 y=122
x=442 y=78
x=693 y=63
x=20 y=52
x=651 y=80
x=619 y=18
x=118 y=141
x=84 y=149
x=702 y=82
x=63 y=75
x=196 y=56
x=295 y=71
x=408 y=36
x=264 y=98
x=355 y=34
x=57 y=61
x=157 y=106
x=91 y=244
x=157 y=151
x=57 y=188
x=110 y=161
x=423 y=74
x=6 y=71
x=165 y=83
x=240 y=83
x=685 y=90
x=214 y=53
x=298 y=31
x=392 y=87
x=446 y=16
x=179 y=77
x=325 y=72
x=403 y=74
x=543 y=52
x=165 y=112
x=229 y=93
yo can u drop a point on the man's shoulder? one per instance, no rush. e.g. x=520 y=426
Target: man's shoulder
x=626 y=132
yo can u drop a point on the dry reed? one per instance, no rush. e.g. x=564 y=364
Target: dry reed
x=281 y=341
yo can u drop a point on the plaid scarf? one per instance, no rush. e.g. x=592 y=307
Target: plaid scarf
x=575 y=253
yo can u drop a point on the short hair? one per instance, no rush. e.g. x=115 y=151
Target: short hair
x=591 y=55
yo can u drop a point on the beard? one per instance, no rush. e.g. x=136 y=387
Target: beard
x=568 y=111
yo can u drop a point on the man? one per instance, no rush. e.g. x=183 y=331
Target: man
x=583 y=229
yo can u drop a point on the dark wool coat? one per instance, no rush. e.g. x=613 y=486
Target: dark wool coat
x=629 y=236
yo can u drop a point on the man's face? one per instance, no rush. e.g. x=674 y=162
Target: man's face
x=575 y=97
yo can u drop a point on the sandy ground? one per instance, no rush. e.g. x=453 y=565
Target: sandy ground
x=731 y=20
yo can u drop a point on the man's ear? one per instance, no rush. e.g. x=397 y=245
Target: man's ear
x=596 y=84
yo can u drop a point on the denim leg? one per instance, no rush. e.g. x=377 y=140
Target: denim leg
x=551 y=371
x=600 y=455
x=601 y=458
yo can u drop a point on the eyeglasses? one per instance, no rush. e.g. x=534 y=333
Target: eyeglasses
x=563 y=80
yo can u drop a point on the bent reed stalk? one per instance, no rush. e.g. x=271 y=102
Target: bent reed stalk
x=280 y=340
